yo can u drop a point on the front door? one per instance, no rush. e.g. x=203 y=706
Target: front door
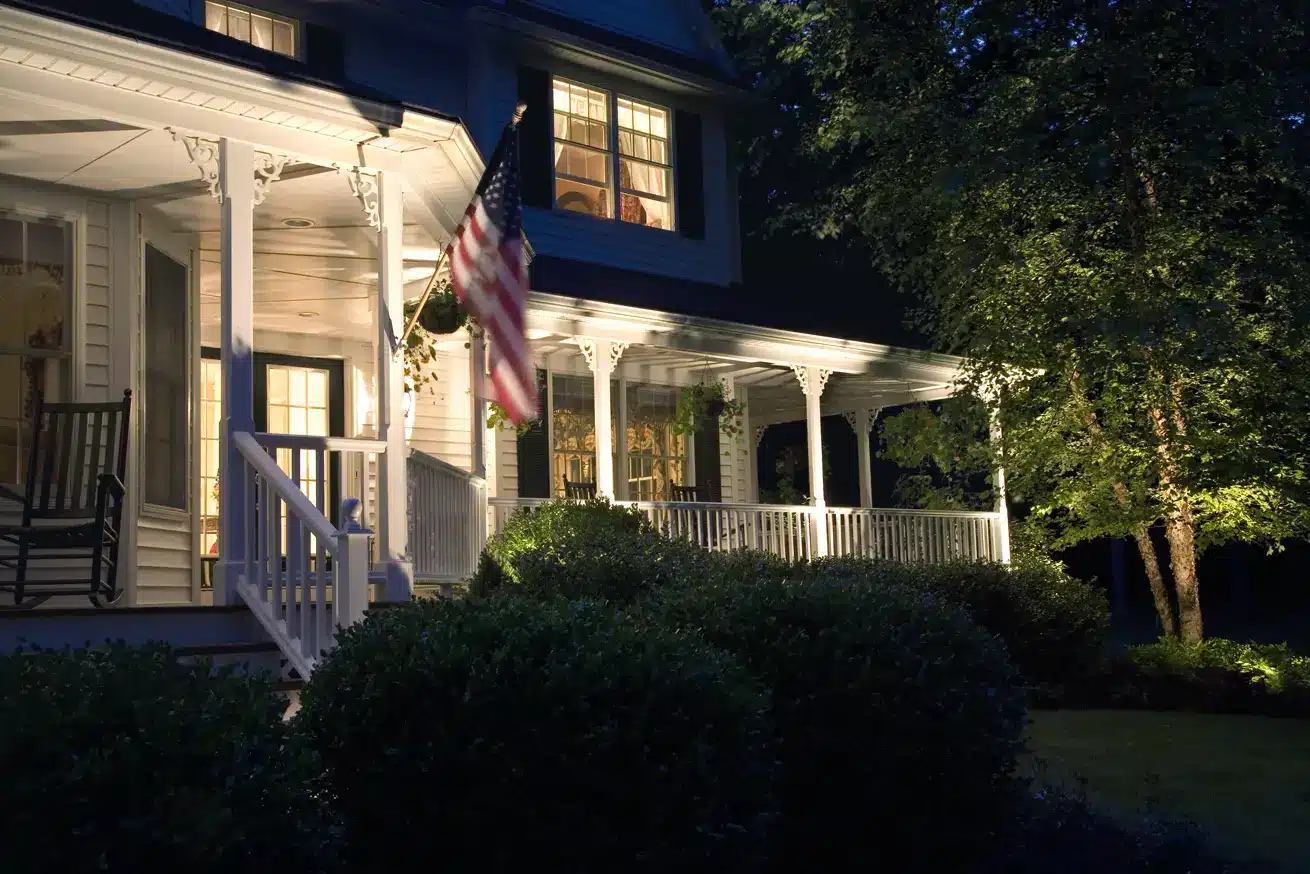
x=292 y=395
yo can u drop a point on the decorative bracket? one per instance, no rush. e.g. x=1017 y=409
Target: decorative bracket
x=365 y=188
x=759 y=434
x=803 y=376
x=268 y=169
x=204 y=154
x=852 y=417
x=588 y=347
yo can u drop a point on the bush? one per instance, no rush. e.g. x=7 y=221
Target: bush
x=1060 y=833
x=1214 y=676
x=583 y=550
x=898 y=716
x=122 y=759
x=506 y=734
x=1055 y=627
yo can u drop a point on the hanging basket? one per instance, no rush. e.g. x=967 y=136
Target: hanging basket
x=442 y=314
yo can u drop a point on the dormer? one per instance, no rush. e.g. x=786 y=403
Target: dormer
x=627 y=178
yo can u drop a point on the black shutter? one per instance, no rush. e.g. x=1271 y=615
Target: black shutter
x=709 y=482
x=534 y=452
x=535 y=135
x=691 y=174
x=325 y=51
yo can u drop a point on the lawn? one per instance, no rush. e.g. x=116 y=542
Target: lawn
x=1245 y=779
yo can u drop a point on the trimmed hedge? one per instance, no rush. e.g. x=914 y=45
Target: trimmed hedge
x=1054 y=626
x=510 y=735
x=122 y=759
x=583 y=550
x=1214 y=676
x=899 y=717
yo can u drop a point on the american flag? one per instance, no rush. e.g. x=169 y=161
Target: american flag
x=490 y=270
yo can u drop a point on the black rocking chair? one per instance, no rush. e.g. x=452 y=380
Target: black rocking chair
x=685 y=494
x=73 y=504
x=579 y=491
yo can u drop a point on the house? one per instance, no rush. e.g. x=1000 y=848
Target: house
x=223 y=207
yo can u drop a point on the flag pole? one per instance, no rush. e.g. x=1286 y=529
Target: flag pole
x=441 y=260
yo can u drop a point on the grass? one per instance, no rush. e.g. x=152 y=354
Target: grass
x=1245 y=779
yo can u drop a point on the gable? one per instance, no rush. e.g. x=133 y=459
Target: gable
x=672 y=24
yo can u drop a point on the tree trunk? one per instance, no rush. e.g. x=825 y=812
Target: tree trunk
x=1154 y=576
x=1180 y=528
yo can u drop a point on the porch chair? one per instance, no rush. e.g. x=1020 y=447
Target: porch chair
x=72 y=505
x=685 y=494
x=579 y=491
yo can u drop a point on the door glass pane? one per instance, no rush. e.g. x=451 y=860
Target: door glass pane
x=167 y=352
x=301 y=408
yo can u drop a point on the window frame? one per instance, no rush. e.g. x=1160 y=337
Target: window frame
x=189 y=320
x=614 y=188
x=297 y=29
x=71 y=212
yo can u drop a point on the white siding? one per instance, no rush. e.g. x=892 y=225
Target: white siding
x=97 y=323
x=165 y=552
x=507 y=463
x=443 y=411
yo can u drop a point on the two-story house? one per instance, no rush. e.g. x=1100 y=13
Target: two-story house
x=223 y=208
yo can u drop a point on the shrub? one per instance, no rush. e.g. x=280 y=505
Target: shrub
x=1060 y=833
x=583 y=550
x=898 y=715
x=507 y=734
x=1214 y=676
x=1055 y=627
x=122 y=759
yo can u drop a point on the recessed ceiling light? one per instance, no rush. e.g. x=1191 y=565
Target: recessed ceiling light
x=297 y=223
x=308 y=315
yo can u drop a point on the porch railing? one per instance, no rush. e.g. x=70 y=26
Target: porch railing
x=911 y=536
x=294 y=556
x=447 y=519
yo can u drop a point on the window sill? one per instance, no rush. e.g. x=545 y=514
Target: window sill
x=621 y=227
x=161 y=512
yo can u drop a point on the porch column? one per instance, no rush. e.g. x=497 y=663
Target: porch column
x=236 y=182
x=862 y=422
x=1002 y=505
x=393 y=482
x=813 y=380
x=602 y=357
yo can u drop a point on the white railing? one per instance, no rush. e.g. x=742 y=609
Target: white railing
x=914 y=536
x=447 y=519
x=294 y=556
x=911 y=536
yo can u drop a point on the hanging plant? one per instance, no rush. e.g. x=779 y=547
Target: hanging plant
x=420 y=352
x=442 y=313
x=696 y=403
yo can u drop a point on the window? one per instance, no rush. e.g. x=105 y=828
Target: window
x=35 y=296
x=585 y=163
x=573 y=453
x=645 y=167
x=167 y=351
x=211 y=437
x=250 y=26
x=657 y=458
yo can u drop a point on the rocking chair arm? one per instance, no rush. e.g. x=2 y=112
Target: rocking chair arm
x=109 y=484
x=8 y=494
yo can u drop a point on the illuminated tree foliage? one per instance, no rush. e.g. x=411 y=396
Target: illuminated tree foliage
x=1103 y=205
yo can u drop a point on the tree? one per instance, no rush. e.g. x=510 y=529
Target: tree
x=1109 y=196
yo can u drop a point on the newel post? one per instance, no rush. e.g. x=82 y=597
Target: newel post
x=813 y=380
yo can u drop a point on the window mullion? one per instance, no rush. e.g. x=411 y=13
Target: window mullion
x=615 y=195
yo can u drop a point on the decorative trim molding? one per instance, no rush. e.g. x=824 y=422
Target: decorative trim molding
x=852 y=417
x=759 y=434
x=268 y=169
x=365 y=188
x=803 y=377
x=203 y=154
x=588 y=347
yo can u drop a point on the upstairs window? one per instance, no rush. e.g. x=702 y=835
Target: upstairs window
x=260 y=29
x=586 y=163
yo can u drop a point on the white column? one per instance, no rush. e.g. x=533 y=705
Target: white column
x=478 y=402
x=862 y=422
x=812 y=380
x=1002 y=505
x=236 y=181
x=393 y=482
x=602 y=357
